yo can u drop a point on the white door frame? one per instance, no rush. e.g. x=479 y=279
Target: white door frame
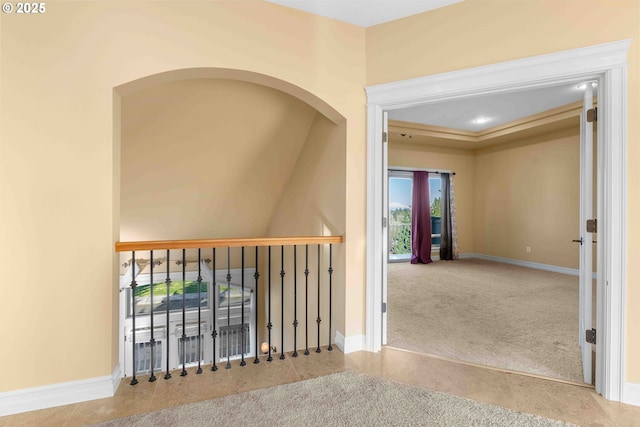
x=385 y=231
x=585 y=318
x=605 y=62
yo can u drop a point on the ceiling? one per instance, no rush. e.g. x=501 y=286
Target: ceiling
x=497 y=109
x=365 y=13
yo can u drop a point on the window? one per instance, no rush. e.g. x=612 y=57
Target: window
x=143 y=357
x=231 y=337
x=435 y=201
x=400 y=197
x=229 y=302
x=159 y=303
x=230 y=326
x=190 y=345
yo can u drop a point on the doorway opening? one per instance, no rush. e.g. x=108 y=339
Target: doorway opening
x=538 y=72
x=512 y=302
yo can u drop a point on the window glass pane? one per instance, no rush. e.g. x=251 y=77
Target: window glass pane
x=435 y=199
x=159 y=303
x=143 y=357
x=234 y=294
x=400 y=215
x=190 y=344
x=230 y=340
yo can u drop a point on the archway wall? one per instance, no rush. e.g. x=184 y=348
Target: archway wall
x=225 y=158
x=206 y=158
x=313 y=203
x=60 y=152
x=480 y=32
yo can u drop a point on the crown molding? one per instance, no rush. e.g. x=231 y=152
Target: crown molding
x=548 y=121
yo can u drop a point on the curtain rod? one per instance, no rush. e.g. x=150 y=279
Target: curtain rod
x=402 y=169
x=143 y=262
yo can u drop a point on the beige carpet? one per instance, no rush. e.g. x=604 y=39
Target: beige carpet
x=487 y=313
x=344 y=399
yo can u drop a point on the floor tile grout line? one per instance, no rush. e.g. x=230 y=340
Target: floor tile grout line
x=71 y=414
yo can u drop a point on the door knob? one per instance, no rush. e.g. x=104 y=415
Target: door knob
x=578 y=241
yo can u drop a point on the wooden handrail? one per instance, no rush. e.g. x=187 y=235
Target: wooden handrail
x=223 y=243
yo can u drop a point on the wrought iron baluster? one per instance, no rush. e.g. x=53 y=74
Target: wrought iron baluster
x=295 y=302
x=134 y=381
x=306 y=300
x=152 y=342
x=318 y=319
x=242 y=362
x=256 y=276
x=184 y=314
x=282 y=274
x=167 y=375
x=269 y=324
x=330 y=348
x=228 y=308
x=199 y=371
x=213 y=302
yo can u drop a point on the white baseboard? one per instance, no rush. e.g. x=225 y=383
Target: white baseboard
x=32 y=399
x=529 y=264
x=631 y=394
x=116 y=377
x=349 y=344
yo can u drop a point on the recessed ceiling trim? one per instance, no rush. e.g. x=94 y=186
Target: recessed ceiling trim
x=540 y=119
x=428 y=130
x=481 y=139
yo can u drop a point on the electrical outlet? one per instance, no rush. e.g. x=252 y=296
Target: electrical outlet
x=528 y=249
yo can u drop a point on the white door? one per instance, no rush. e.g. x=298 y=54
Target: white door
x=385 y=221
x=586 y=238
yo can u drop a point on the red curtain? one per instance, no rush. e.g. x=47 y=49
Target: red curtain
x=420 y=220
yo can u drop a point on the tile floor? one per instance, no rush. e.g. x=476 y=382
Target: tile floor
x=576 y=404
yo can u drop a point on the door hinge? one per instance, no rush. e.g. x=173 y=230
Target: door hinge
x=592 y=115
x=384 y=137
x=384 y=307
x=591 y=336
x=592 y=225
x=384 y=222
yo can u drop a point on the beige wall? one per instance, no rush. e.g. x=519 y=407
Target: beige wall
x=206 y=158
x=480 y=32
x=59 y=153
x=527 y=193
x=461 y=162
x=313 y=204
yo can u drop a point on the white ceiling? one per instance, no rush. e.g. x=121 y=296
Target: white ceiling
x=365 y=13
x=499 y=109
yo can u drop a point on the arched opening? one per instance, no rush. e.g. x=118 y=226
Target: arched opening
x=219 y=153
